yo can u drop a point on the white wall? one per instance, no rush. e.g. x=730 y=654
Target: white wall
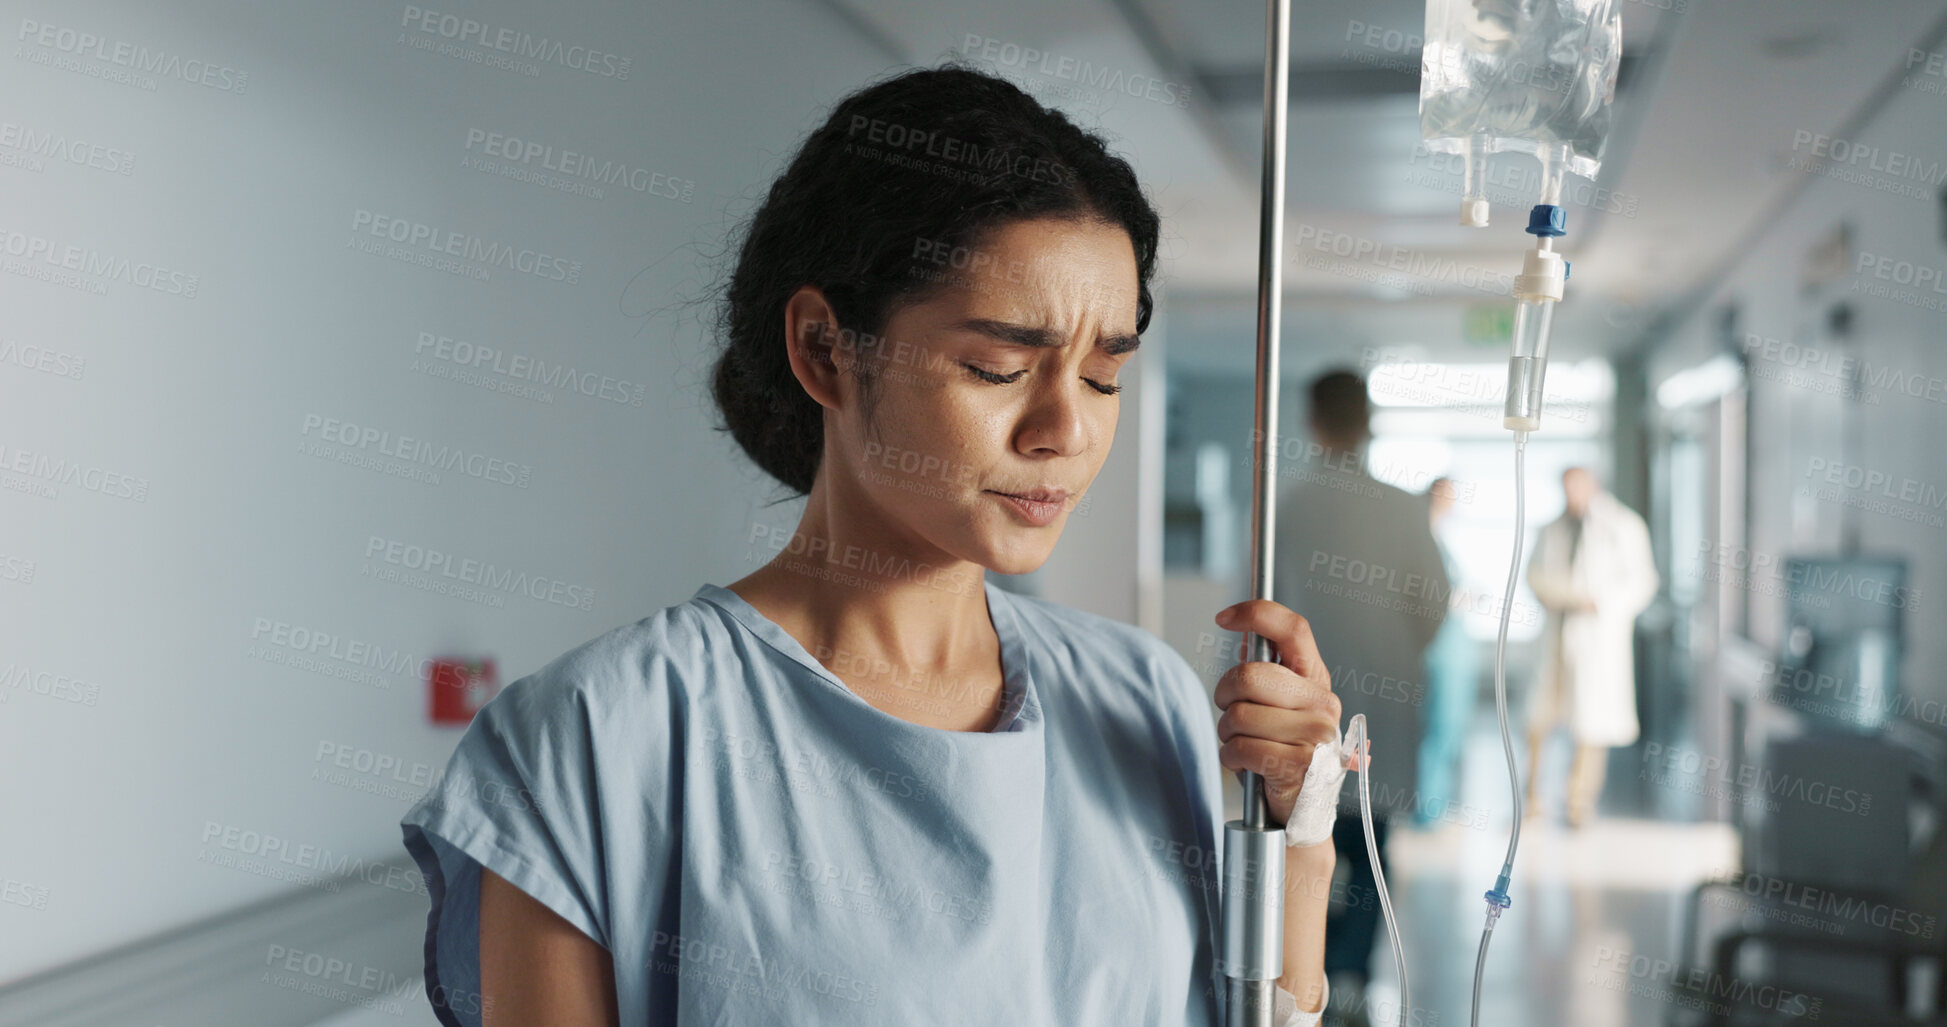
x=193 y=517
x=1890 y=198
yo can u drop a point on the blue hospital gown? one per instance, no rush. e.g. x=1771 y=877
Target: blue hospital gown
x=754 y=844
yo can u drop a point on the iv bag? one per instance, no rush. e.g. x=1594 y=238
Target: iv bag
x=1532 y=76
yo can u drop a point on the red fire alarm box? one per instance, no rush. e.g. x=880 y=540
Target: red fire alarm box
x=456 y=688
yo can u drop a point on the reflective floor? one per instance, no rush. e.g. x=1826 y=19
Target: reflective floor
x=1588 y=903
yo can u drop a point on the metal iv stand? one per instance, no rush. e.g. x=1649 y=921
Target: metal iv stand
x=1252 y=957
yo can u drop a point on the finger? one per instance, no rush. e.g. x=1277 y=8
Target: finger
x=1272 y=685
x=1289 y=633
x=1315 y=726
x=1281 y=764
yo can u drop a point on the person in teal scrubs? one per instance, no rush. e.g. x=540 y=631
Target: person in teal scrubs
x=1452 y=669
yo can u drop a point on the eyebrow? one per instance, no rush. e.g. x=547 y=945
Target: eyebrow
x=1042 y=338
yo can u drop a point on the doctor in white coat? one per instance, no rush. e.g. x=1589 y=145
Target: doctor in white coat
x=1593 y=571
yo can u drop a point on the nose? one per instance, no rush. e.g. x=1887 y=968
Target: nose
x=1056 y=423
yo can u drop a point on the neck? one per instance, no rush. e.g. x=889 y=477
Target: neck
x=859 y=591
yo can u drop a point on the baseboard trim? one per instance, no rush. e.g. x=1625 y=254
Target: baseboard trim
x=359 y=945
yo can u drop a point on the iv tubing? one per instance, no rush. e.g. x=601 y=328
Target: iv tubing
x=1356 y=739
x=1538 y=287
x=1498 y=900
x=1356 y=743
x=1501 y=640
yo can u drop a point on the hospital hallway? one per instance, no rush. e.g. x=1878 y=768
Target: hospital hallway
x=1604 y=910
x=1590 y=900
x=420 y=455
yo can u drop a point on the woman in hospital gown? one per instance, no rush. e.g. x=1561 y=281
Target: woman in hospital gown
x=863 y=785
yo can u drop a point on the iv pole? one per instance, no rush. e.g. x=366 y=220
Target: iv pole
x=1253 y=896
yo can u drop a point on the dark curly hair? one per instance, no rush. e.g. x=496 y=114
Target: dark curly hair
x=936 y=157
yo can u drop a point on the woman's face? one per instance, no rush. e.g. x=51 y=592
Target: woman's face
x=1001 y=383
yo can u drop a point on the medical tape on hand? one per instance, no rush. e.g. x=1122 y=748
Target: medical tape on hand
x=1317 y=808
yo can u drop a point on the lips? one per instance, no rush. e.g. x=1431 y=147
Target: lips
x=1038 y=507
x=1039 y=495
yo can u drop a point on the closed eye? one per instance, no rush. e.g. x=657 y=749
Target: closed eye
x=1008 y=379
x=997 y=379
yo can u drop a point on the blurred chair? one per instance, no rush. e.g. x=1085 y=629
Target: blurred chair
x=1831 y=903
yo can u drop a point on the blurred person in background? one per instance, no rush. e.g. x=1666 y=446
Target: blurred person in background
x=1452 y=664
x=1593 y=572
x=1356 y=558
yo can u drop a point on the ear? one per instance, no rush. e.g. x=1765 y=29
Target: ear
x=815 y=345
